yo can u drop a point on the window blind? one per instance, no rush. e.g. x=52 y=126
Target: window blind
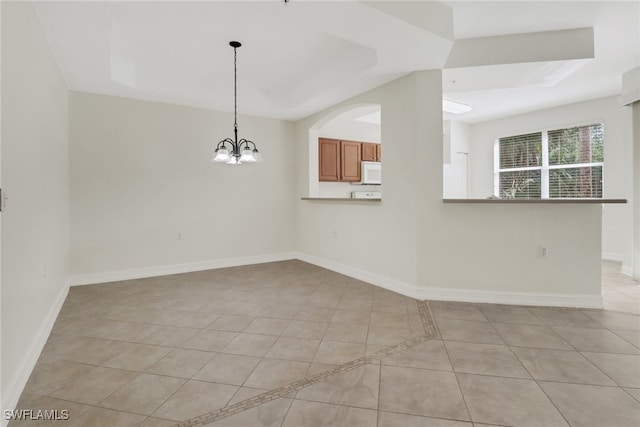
x=566 y=163
x=522 y=184
x=576 y=145
x=585 y=182
x=521 y=151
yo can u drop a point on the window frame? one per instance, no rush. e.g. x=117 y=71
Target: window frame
x=544 y=168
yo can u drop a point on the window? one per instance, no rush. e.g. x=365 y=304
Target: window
x=561 y=163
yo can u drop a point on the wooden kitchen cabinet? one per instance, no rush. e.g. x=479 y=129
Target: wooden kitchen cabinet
x=350 y=161
x=340 y=160
x=329 y=159
x=368 y=152
x=371 y=152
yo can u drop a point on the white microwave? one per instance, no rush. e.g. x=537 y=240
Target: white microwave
x=371 y=173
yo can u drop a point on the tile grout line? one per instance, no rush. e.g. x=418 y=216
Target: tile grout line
x=551 y=400
x=613 y=331
x=378 y=411
x=430 y=333
x=627 y=391
x=462 y=395
x=533 y=378
x=455 y=375
x=573 y=349
x=287 y=413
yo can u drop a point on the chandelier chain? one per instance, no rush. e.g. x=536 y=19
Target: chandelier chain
x=235 y=88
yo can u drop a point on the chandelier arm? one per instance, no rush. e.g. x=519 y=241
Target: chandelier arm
x=247 y=142
x=224 y=141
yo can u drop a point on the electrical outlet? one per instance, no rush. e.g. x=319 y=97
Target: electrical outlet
x=179 y=235
x=543 y=251
x=335 y=234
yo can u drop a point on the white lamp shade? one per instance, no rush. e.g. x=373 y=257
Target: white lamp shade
x=256 y=155
x=221 y=155
x=247 y=155
x=233 y=160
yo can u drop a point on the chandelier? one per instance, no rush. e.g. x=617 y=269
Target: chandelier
x=238 y=151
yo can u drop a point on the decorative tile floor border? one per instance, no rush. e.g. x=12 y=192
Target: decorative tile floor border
x=431 y=332
x=428 y=322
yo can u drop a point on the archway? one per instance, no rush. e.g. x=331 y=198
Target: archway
x=359 y=122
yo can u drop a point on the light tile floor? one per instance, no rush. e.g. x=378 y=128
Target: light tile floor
x=289 y=344
x=620 y=292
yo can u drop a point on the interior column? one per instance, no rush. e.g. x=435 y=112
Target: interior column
x=636 y=188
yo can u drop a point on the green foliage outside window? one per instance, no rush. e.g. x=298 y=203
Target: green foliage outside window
x=566 y=147
x=521 y=151
x=580 y=149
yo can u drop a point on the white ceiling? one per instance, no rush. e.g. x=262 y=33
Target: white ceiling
x=295 y=58
x=502 y=90
x=308 y=55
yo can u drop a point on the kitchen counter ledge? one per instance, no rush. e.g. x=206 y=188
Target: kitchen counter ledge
x=537 y=201
x=339 y=199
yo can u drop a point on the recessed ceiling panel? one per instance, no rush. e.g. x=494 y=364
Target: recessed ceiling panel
x=309 y=55
x=294 y=59
x=535 y=74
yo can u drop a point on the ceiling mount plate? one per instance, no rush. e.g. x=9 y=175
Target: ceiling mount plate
x=235 y=44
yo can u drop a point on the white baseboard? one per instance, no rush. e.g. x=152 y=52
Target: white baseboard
x=163 y=270
x=385 y=282
x=612 y=256
x=407 y=289
x=21 y=376
x=513 y=298
x=461 y=295
x=626 y=270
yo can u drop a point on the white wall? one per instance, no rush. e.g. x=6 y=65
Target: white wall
x=413 y=243
x=140 y=175
x=351 y=130
x=360 y=226
x=456 y=157
x=35 y=178
x=618 y=169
